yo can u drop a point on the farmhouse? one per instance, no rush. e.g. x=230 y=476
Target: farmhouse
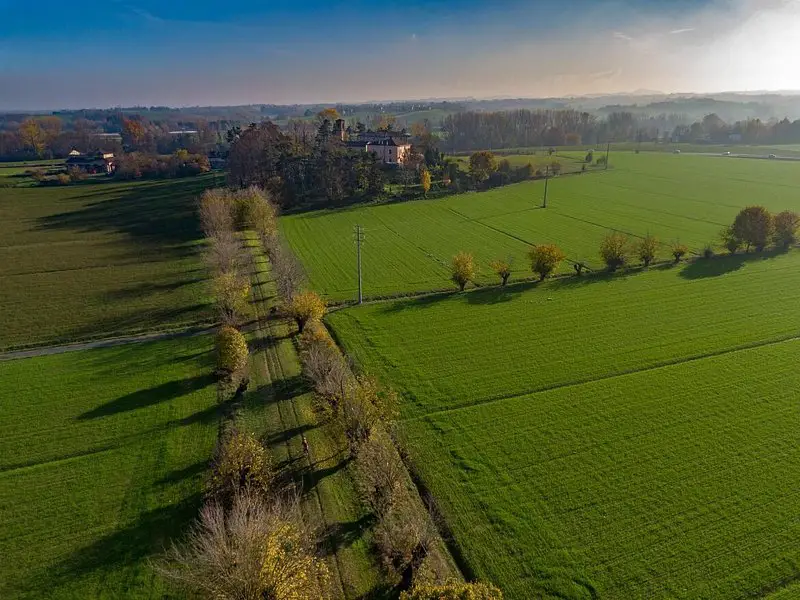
x=97 y=162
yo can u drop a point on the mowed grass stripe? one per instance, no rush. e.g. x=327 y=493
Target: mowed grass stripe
x=681 y=483
x=449 y=351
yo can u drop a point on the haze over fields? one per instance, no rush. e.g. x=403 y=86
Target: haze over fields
x=198 y=53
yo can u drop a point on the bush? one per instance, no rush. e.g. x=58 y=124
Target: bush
x=555 y=167
x=305 y=307
x=63 y=179
x=232 y=353
x=240 y=463
x=463 y=269
x=254 y=550
x=646 y=249
x=454 y=591
x=786 y=226
x=708 y=251
x=545 y=259
x=76 y=174
x=503 y=270
x=729 y=240
x=614 y=251
x=754 y=226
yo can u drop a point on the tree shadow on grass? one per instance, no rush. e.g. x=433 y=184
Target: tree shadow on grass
x=141 y=290
x=148 y=536
x=703 y=268
x=287 y=435
x=343 y=535
x=179 y=475
x=279 y=391
x=144 y=398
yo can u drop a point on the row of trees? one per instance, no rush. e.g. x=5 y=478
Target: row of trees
x=139 y=165
x=712 y=128
x=756 y=228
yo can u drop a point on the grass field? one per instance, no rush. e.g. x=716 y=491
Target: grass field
x=99 y=259
x=613 y=437
x=102 y=454
x=409 y=245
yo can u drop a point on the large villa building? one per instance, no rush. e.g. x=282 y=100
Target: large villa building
x=391 y=147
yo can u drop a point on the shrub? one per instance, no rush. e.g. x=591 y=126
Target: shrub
x=76 y=174
x=425 y=181
x=404 y=536
x=254 y=550
x=614 y=250
x=545 y=259
x=729 y=240
x=503 y=270
x=231 y=292
x=63 y=179
x=305 y=307
x=232 y=353
x=601 y=161
x=481 y=165
x=555 y=167
x=240 y=463
x=463 y=269
x=679 y=251
x=754 y=226
x=454 y=591
x=786 y=226
x=708 y=251
x=646 y=249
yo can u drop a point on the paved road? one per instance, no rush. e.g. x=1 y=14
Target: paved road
x=106 y=343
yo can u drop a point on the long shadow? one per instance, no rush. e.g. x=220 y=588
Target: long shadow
x=288 y=434
x=158 y=213
x=143 y=289
x=721 y=265
x=185 y=473
x=282 y=390
x=342 y=535
x=212 y=414
x=127 y=546
x=144 y=398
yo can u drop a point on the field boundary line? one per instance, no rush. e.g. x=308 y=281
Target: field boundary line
x=104 y=343
x=661 y=365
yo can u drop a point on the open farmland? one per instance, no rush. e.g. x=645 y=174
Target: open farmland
x=409 y=245
x=102 y=455
x=613 y=437
x=98 y=259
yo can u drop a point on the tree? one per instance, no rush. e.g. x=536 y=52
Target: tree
x=463 y=269
x=232 y=293
x=453 y=591
x=253 y=551
x=555 y=167
x=216 y=213
x=133 y=132
x=754 y=226
x=305 y=307
x=33 y=136
x=503 y=270
x=481 y=165
x=255 y=211
x=646 y=249
x=786 y=225
x=326 y=114
x=425 y=181
x=363 y=407
x=545 y=259
x=240 y=463
x=614 y=250
x=232 y=353
x=679 y=251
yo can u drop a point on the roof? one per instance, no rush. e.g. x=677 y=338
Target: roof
x=389 y=141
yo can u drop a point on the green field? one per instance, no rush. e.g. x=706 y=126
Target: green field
x=99 y=259
x=409 y=245
x=102 y=455
x=625 y=436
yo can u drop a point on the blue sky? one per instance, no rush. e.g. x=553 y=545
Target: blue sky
x=123 y=52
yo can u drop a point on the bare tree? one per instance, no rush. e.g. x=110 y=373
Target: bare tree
x=216 y=213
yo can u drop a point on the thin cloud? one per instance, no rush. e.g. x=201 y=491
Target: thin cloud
x=621 y=36
x=680 y=31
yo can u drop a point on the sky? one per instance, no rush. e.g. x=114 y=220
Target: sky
x=186 y=53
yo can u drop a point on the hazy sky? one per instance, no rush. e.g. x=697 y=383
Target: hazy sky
x=180 y=52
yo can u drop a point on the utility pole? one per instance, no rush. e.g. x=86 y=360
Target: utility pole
x=608 y=151
x=359 y=233
x=546 y=178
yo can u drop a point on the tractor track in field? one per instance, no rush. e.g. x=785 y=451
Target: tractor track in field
x=578 y=382
x=103 y=343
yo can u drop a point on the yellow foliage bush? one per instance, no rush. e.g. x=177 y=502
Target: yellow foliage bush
x=305 y=307
x=614 y=250
x=454 y=591
x=241 y=462
x=232 y=293
x=255 y=211
x=232 y=350
x=502 y=268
